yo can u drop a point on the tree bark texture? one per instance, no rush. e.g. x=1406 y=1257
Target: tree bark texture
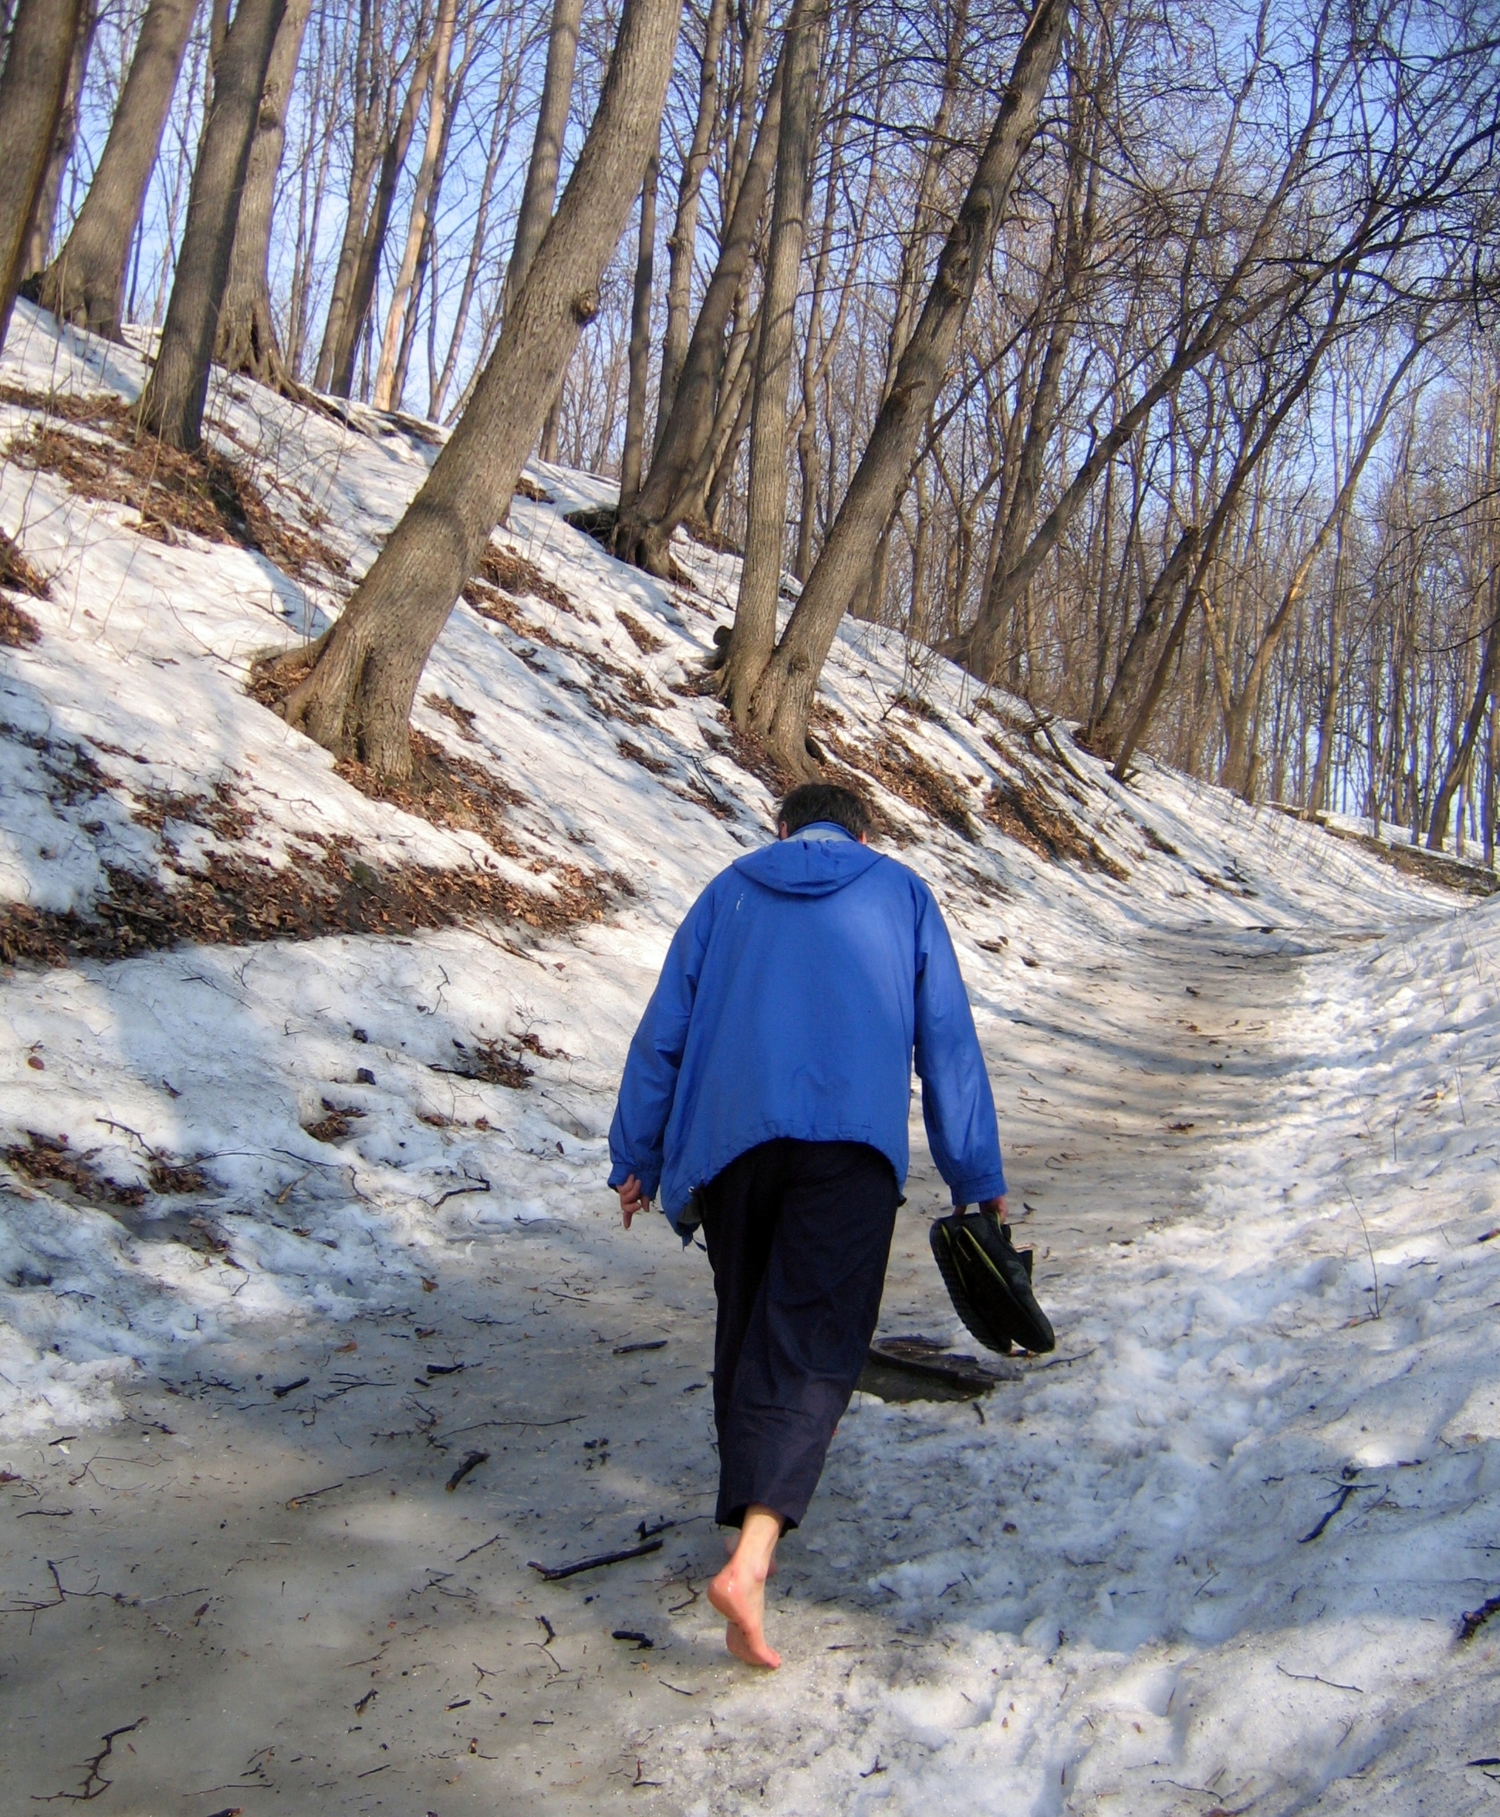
x=32 y=87
x=754 y=635
x=416 y=227
x=643 y=532
x=85 y=283
x=783 y=695
x=683 y=239
x=547 y=147
x=172 y=404
x=358 y=697
x=39 y=240
x=640 y=338
x=246 y=340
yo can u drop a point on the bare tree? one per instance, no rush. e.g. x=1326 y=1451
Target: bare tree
x=39 y=240
x=683 y=238
x=438 y=91
x=357 y=698
x=32 y=87
x=547 y=146
x=783 y=692
x=172 y=403
x=640 y=337
x=678 y=471
x=754 y=635
x=85 y=283
x=246 y=340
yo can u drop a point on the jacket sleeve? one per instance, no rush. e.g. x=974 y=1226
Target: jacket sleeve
x=650 y=1081
x=957 y=1104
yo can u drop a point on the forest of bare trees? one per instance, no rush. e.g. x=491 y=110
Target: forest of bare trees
x=1143 y=359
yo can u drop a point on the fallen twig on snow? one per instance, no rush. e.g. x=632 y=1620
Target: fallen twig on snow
x=1476 y=1618
x=555 y=1573
x=471 y=1462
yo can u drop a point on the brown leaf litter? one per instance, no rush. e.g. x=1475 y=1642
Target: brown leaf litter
x=1024 y=809
x=49 y=1161
x=204 y=494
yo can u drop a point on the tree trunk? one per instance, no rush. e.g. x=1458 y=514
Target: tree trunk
x=754 y=634
x=643 y=532
x=31 y=99
x=640 y=339
x=246 y=340
x=364 y=160
x=85 y=283
x=416 y=226
x=783 y=695
x=372 y=243
x=1102 y=735
x=172 y=404
x=682 y=241
x=39 y=240
x=547 y=148
x=358 y=697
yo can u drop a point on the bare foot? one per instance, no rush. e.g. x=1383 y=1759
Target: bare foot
x=731 y=1542
x=739 y=1594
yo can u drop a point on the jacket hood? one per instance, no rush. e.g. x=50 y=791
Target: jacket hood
x=808 y=867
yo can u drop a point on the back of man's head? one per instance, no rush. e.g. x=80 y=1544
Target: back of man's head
x=825 y=801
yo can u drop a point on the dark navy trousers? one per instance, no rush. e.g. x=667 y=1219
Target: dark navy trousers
x=799 y=1234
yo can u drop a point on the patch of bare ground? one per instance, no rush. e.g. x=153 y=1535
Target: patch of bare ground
x=1024 y=809
x=910 y=778
x=218 y=810
x=489 y=1062
x=49 y=1161
x=647 y=642
x=336 y=1122
x=240 y=901
x=462 y=717
x=204 y=494
x=512 y=573
x=18 y=628
x=17 y=573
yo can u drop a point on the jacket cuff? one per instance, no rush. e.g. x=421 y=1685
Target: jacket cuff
x=649 y=1177
x=983 y=1186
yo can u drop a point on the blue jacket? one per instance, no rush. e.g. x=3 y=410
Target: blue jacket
x=791 y=1002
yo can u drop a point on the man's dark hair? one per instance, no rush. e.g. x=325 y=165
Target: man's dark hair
x=824 y=801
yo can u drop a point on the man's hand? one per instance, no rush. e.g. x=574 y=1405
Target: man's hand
x=632 y=1199
x=995 y=1206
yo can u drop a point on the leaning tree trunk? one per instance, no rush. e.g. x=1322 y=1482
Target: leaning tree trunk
x=754 y=635
x=644 y=530
x=547 y=147
x=85 y=283
x=357 y=699
x=42 y=37
x=682 y=240
x=783 y=695
x=640 y=337
x=39 y=240
x=247 y=333
x=172 y=404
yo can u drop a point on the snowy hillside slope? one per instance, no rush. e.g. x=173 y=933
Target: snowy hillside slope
x=273 y=1050
x=135 y=763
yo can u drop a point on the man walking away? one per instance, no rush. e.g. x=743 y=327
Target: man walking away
x=766 y=1098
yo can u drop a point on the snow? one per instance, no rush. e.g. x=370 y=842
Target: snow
x=1248 y=1094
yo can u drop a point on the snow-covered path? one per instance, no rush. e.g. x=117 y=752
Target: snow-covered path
x=974 y=1610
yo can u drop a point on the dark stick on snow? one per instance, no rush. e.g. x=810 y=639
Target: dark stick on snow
x=471 y=1462
x=1476 y=1618
x=291 y=1387
x=1337 y=1508
x=555 y=1573
x=649 y=1344
x=642 y=1641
